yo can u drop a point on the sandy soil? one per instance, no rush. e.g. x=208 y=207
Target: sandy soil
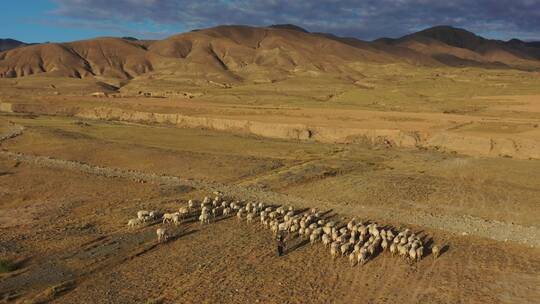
x=65 y=224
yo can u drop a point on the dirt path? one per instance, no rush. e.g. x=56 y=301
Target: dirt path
x=463 y=225
x=12 y=132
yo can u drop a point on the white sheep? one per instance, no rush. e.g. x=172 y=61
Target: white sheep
x=176 y=219
x=250 y=217
x=412 y=254
x=326 y=240
x=141 y=214
x=384 y=244
x=154 y=215
x=351 y=224
x=334 y=250
x=419 y=253
x=352 y=259
x=345 y=248
x=362 y=256
x=162 y=234
x=183 y=212
x=313 y=238
x=134 y=222
x=168 y=217
x=393 y=249
x=204 y=218
x=436 y=251
x=226 y=211
x=240 y=214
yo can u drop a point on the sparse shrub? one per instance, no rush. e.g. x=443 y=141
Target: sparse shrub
x=159 y=300
x=6 y=266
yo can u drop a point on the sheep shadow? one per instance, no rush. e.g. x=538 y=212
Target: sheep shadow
x=300 y=242
x=300 y=211
x=221 y=218
x=444 y=249
x=181 y=235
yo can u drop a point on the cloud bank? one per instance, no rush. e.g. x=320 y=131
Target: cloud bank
x=367 y=19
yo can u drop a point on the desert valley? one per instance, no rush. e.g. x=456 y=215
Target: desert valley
x=427 y=145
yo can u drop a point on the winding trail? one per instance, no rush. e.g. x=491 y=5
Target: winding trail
x=462 y=225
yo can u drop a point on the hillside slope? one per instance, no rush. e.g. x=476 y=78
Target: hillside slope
x=239 y=53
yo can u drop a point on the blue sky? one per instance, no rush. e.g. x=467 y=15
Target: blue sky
x=68 y=20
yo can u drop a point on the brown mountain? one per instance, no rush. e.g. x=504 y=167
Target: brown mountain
x=234 y=52
x=458 y=47
x=8 y=44
x=239 y=53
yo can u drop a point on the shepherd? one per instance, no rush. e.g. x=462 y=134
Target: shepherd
x=280 y=243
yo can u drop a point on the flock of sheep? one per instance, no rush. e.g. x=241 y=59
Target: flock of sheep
x=357 y=240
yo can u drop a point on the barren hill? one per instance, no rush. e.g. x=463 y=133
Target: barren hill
x=238 y=53
x=8 y=44
x=458 y=47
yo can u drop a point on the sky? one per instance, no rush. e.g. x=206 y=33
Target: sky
x=69 y=20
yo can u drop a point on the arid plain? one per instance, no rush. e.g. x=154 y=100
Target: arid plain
x=448 y=148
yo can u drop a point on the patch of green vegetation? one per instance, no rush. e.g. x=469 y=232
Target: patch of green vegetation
x=6 y=266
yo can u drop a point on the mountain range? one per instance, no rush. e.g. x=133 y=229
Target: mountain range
x=242 y=53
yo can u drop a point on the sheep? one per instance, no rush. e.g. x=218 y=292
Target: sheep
x=371 y=249
x=345 y=248
x=205 y=209
x=206 y=200
x=191 y=205
x=331 y=224
x=204 y=218
x=327 y=230
x=384 y=245
x=250 y=217
x=393 y=249
x=343 y=238
x=403 y=250
x=217 y=211
x=326 y=240
x=334 y=250
x=168 y=217
x=134 y=222
x=419 y=253
x=184 y=212
x=141 y=214
x=176 y=219
x=362 y=257
x=412 y=254
x=162 y=234
x=154 y=215
x=313 y=238
x=284 y=226
x=240 y=214
x=226 y=211
x=351 y=224
x=352 y=259
x=436 y=251
x=275 y=229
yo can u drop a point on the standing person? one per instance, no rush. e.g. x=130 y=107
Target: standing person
x=280 y=243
